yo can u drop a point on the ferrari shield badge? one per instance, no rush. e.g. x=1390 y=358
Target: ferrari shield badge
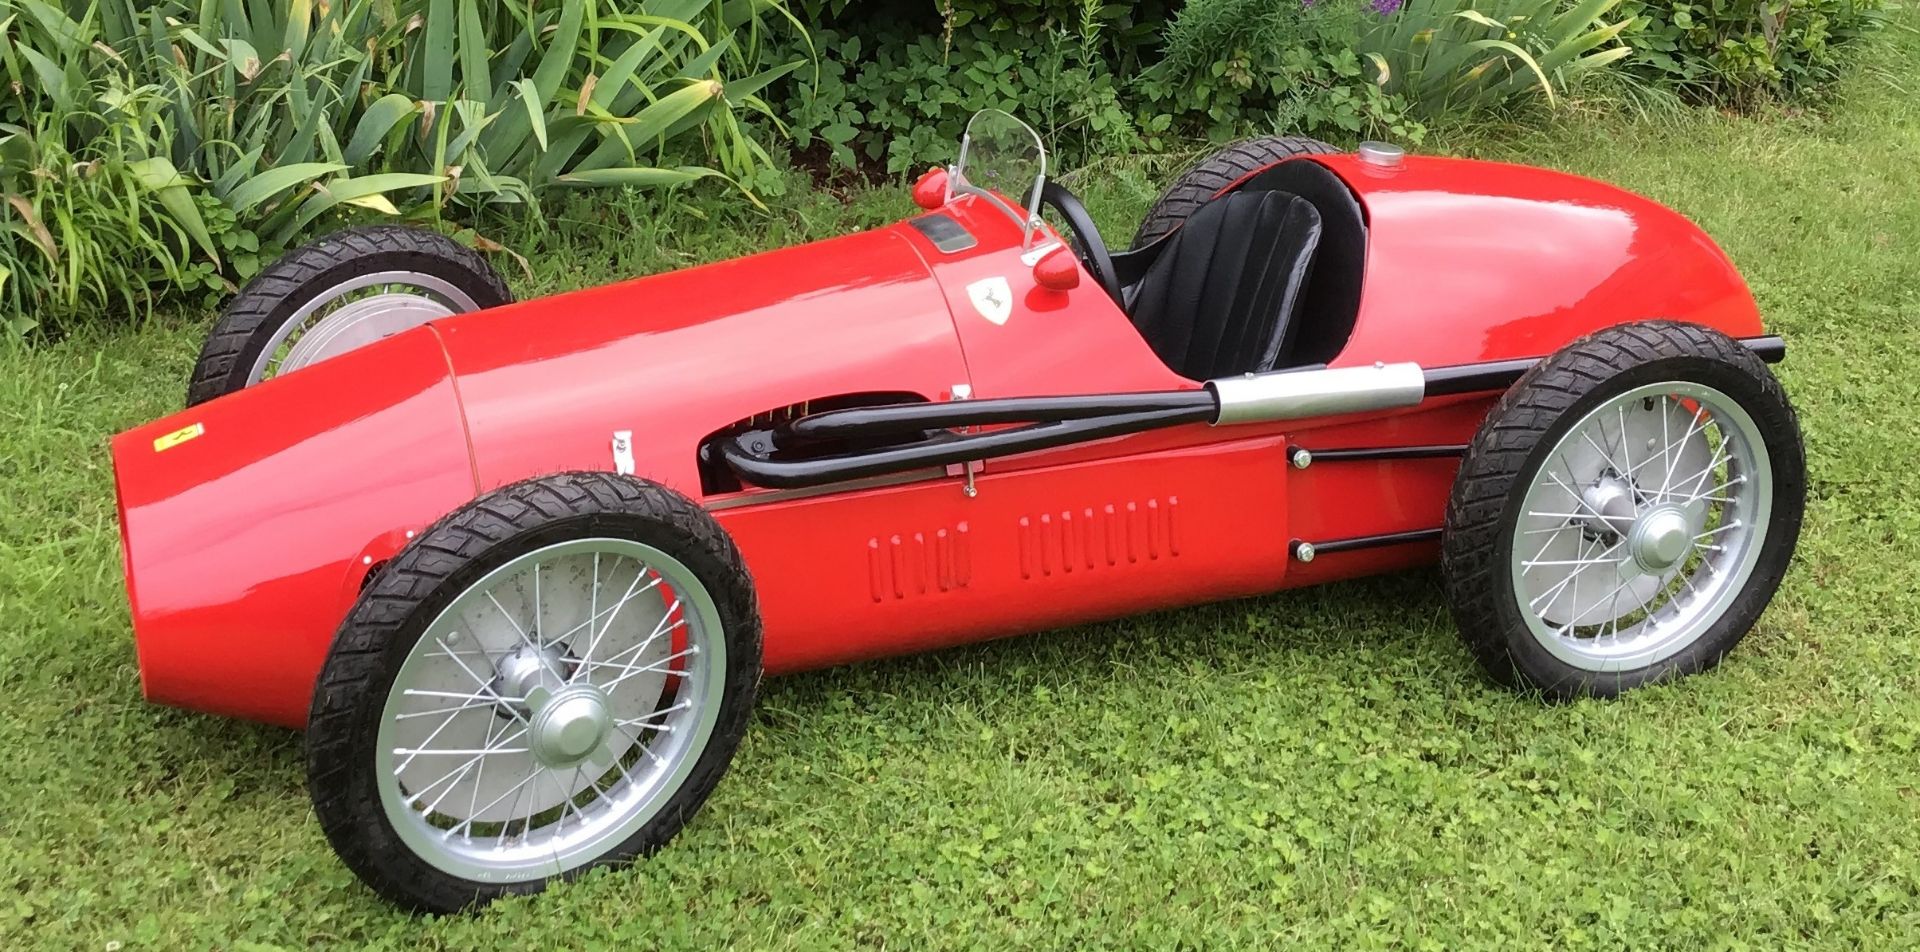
x=993 y=298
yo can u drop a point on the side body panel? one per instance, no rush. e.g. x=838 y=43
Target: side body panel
x=921 y=566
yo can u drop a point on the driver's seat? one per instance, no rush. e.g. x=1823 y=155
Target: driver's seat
x=1223 y=296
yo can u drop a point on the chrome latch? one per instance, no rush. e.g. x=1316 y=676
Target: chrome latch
x=623 y=452
x=962 y=391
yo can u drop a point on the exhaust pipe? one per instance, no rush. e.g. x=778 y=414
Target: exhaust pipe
x=1292 y=395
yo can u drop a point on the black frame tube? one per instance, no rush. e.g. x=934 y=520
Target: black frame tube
x=1372 y=541
x=747 y=453
x=1437 y=451
x=906 y=419
x=1500 y=374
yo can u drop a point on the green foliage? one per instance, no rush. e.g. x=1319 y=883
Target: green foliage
x=1287 y=66
x=1460 y=57
x=905 y=105
x=233 y=128
x=1744 y=51
x=894 y=91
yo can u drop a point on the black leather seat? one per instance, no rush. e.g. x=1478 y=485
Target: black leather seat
x=1223 y=296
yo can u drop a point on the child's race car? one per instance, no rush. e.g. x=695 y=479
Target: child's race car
x=518 y=572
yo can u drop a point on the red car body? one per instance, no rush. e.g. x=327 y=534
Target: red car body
x=251 y=522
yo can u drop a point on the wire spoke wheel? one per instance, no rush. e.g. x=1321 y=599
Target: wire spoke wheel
x=354 y=313
x=543 y=716
x=553 y=677
x=1645 y=520
x=337 y=294
x=1625 y=512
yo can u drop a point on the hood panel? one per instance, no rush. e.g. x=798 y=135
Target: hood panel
x=244 y=541
x=1470 y=261
x=676 y=356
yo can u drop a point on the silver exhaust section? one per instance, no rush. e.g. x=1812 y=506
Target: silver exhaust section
x=1292 y=394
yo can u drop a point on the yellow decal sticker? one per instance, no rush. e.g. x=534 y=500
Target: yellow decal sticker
x=178 y=437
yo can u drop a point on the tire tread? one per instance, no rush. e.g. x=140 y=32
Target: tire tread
x=1205 y=179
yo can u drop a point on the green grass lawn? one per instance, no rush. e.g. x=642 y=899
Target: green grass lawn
x=1323 y=767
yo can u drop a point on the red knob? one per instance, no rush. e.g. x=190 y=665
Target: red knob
x=930 y=192
x=1057 y=270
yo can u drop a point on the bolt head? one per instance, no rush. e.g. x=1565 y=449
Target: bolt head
x=1302 y=458
x=1303 y=551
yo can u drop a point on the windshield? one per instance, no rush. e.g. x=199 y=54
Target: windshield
x=1003 y=160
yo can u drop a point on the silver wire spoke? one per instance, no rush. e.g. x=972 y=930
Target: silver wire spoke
x=1562 y=584
x=658 y=667
x=451 y=773
x=630 y=595
x=516 y=625
x=660 y=628
x=445 y=710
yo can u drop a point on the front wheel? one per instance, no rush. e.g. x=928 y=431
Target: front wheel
x=1626 y=511
x=552 y=678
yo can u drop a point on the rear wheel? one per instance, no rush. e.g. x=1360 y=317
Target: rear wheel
x=342 y=292
x=1199 y=184
x=1626 y=511
x=550 y=679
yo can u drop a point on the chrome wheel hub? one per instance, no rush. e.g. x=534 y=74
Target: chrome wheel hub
x=1642 y=525
x=1660 y=539
x=1607 y=506
x=525 y=668
x=569 y=724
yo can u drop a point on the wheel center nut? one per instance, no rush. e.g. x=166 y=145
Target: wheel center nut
x=571 y=724
x=1660 y=539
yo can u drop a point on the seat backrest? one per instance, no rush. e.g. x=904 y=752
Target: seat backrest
x=1223 y=296
x=1331 y=301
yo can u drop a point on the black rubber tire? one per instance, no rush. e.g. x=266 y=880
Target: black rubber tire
x=1515 y=441
x=412 y=589
x=1200 y=183
x=268 y=301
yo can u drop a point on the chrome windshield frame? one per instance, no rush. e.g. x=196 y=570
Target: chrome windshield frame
x=957 y=184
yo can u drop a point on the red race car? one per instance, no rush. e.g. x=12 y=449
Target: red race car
x=518 y=572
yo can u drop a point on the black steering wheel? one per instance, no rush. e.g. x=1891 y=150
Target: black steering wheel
x=1092 y=251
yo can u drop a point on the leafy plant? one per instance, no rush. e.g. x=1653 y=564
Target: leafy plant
x=1090 y=75
x=244 y=126
x=896 y=94
x=1742 y=51
x=1462 y=56
x=1290 y=66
